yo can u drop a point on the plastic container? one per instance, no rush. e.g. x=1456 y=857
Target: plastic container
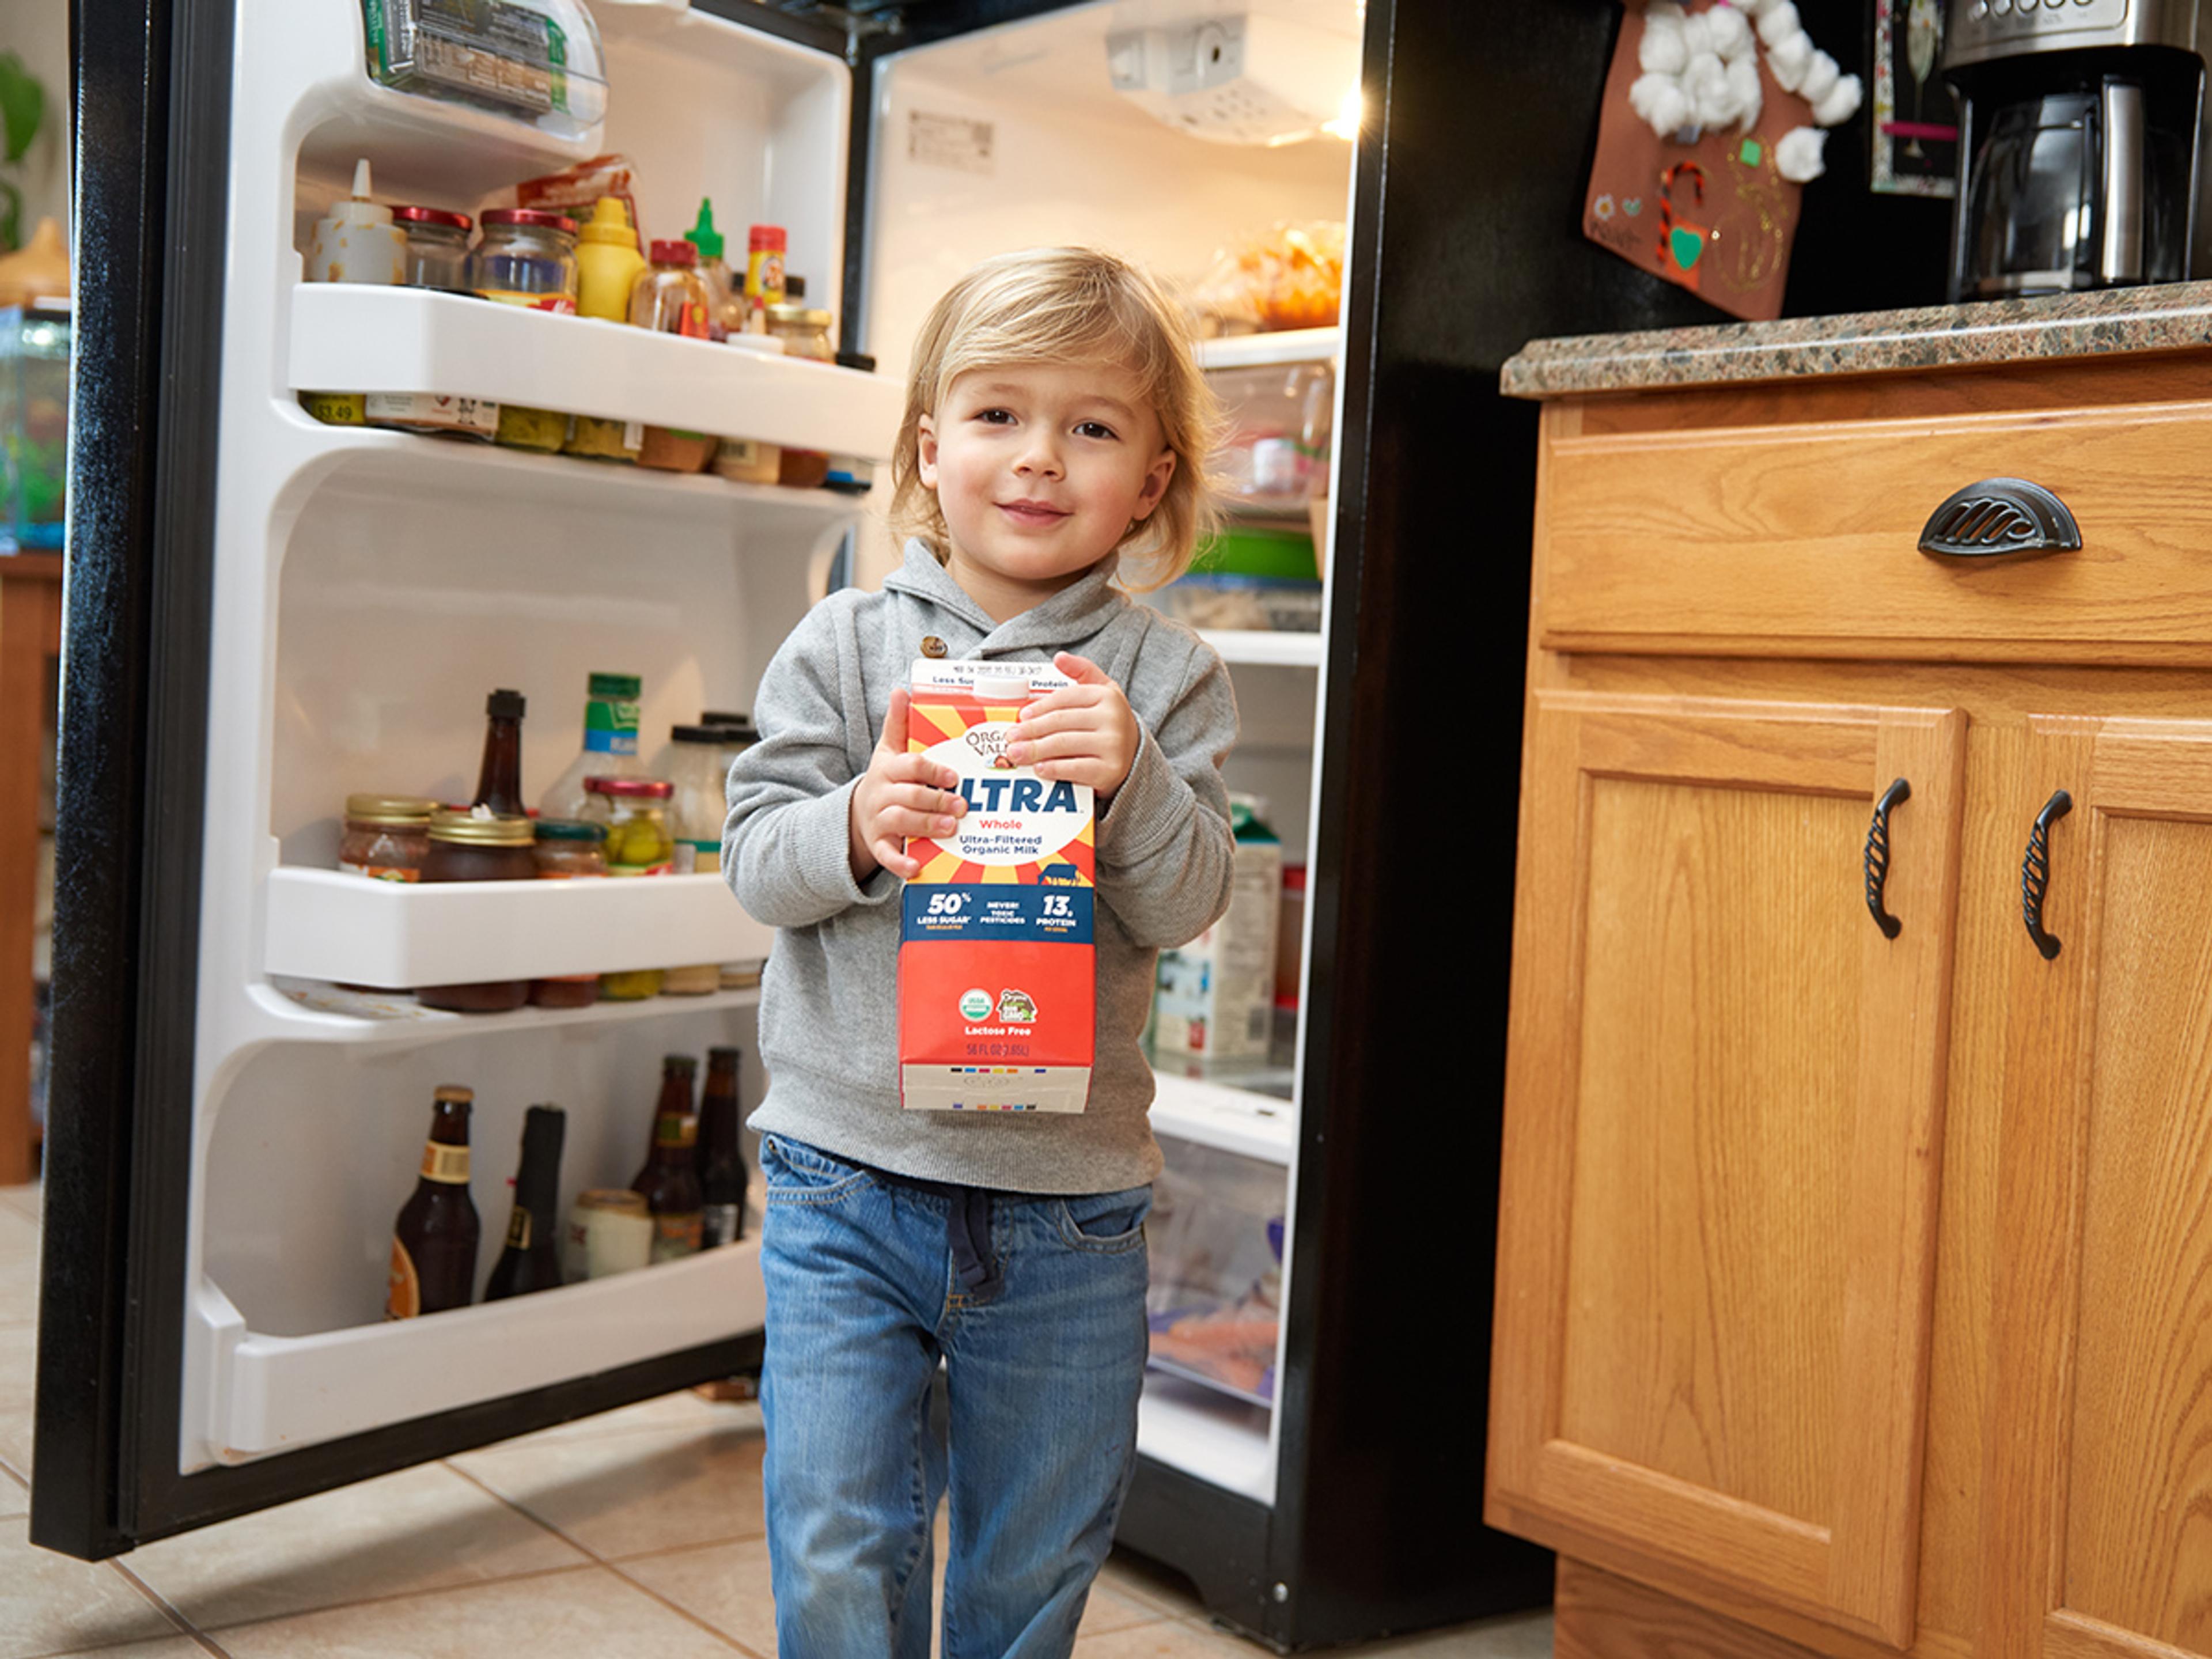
x=386 y=838
x=538 y=60
x=34 y=371
x=357 y=241
x=1214 y=1295
x=567 y=849
x=672 y=298
x=1276 y=457
x=608 y=266
x=478 y=846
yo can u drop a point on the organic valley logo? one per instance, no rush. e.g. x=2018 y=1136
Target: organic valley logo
x=990 y=741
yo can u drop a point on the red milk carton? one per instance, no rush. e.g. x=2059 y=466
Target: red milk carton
x=998 y=1000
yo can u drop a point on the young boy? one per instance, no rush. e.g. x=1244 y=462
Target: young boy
x=1055 y=435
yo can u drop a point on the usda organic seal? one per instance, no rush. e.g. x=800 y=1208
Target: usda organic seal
x=975 y=1004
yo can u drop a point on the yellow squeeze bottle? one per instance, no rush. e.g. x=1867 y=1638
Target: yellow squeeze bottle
x=607 y=263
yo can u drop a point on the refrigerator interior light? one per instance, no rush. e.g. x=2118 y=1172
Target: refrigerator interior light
x=1349 y=114
x=1236 y=79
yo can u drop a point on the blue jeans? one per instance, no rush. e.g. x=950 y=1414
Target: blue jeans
x=1042 y=1370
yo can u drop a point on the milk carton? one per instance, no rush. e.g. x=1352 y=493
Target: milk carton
x=997 y=993
x=1216 y=995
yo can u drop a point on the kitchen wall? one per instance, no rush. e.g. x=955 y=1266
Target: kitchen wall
x=38 y=32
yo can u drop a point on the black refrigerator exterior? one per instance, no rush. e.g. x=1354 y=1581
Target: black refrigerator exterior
x=1463 y=245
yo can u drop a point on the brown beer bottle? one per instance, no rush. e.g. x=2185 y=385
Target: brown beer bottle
x=677 y=1072
x=434 y=1242
x=721 y=1155
x=671 y=1186
x=532 y=1260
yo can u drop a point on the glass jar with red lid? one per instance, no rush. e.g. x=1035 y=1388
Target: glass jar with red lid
x=636 y=814
x=437 y=247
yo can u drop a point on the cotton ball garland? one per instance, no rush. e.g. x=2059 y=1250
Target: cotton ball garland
x=1728 y=32
x=1662 y=51
x=1787 y=62
x=1662 y=104
x=1840 y=105
x=1778 y=22
x=1798 y=154
x=1743 y=86
x=1820 y=77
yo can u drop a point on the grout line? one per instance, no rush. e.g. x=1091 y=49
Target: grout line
x=209 y=1643
x=389 y=1595
x=610 y=1566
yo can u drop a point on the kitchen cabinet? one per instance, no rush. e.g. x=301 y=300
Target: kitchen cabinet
x=1855 y=1287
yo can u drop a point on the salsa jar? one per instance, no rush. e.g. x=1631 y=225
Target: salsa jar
x=567 y=849
x=386 y=836
x=478 y=846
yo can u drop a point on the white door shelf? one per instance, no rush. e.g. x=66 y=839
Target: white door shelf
x=289 y=1391
x=1279 y=648
x=318 y=1011
x=1206 y=1433
x=1289 y=345
x=354 y=338
x=1255 y=1126
x=326 y=924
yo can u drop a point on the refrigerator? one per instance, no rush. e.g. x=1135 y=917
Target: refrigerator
x=264 y=613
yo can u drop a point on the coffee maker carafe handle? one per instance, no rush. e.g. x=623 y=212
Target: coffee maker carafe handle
x=2119 y=257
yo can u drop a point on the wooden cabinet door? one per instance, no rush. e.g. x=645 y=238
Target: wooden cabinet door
x=1723 y=1124
x=2098 y=1470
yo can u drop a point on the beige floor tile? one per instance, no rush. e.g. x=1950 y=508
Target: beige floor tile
x=1145 y=1581
x=587 y=1613
x=19 y=1268
x=1166 y=1638
x=22 y=1200
x=51 y=1604
x=169 y=1647
x=19 y=1351
x=419 y=1529
x=727 y=1585
x=681 y=1410
x=14 y=1496
x=1511 y=1636
x=633 y=1494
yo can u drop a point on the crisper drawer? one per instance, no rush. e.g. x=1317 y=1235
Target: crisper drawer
x=1805 y=540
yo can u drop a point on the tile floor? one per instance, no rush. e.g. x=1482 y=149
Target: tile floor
x=635 y=1532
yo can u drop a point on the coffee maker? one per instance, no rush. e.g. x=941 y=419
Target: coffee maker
x=2083 y=150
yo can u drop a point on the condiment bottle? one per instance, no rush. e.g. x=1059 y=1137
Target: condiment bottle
x=764 y=257
x=478 y=846
x=499 y=781
x=608 y=266
x=357 y=241
x=804 y=333
x=726 y=313
x=610 y=713
x=721 y=1154
x=670 y=298
x=528 y=258
x=670 y=1180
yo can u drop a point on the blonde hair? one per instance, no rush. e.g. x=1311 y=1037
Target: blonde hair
x=1069 y=305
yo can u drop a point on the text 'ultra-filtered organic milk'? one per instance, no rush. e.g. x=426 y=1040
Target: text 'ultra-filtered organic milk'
x=997 y=1000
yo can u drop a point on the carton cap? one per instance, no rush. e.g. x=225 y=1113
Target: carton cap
x=1002 y=688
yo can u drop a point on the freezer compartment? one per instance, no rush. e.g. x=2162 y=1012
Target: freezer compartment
x=1216 y=1237
x=293 y=1391
x=329 y=924
x=417 y=340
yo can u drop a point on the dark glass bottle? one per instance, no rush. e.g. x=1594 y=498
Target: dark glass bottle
x=499 y=783
x=532 y=1260
x=434 y=1242
x=677 y=1074
x=671 y=1188
x=721 y=1156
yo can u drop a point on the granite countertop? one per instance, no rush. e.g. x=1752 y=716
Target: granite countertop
x=2170 y=317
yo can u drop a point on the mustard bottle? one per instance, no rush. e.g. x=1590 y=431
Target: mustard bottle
x=607 y=263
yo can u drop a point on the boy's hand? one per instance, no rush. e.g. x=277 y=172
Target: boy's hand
x=899 y=795
x=1084 y=733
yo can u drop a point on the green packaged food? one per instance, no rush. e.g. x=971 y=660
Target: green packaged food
x=531 y=58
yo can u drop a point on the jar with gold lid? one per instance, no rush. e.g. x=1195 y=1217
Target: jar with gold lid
x=385 y=837
x=477 y=845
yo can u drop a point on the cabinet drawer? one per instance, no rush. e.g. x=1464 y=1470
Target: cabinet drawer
x=1803 y=541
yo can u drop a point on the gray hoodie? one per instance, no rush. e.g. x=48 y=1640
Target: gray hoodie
x=828 y=1028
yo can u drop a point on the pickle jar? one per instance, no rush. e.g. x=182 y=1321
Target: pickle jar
x=386 y=836
x=634 y=812
x=476 y=845
x=568 y=850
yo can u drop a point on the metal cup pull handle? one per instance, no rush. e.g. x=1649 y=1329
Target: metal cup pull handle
x=2000 y=518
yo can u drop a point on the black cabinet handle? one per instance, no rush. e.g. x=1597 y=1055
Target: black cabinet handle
x=2035 y=871
x=1998 y=517
x=1877 y=856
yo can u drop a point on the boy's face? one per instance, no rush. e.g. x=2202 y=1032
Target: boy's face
x=1039 y=470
